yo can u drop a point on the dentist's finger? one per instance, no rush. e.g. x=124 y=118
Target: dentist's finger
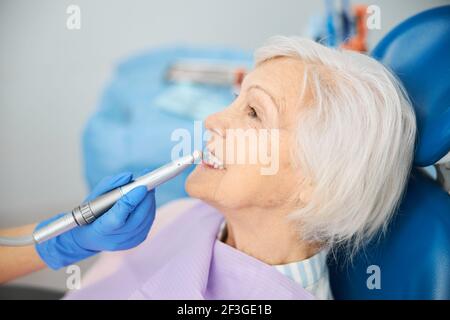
x=144 y=211
x=137 y=238
x=109 y=183
x=117 y=216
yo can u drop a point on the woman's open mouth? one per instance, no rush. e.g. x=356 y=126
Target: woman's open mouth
x=211 y=161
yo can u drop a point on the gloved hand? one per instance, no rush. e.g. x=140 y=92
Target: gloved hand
x=123 y=227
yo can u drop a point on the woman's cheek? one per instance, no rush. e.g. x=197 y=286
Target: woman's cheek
x=239 y=186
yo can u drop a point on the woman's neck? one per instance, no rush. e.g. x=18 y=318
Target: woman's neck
x=266 y=236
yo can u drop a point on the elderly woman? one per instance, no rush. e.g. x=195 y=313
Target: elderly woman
x=345 y=135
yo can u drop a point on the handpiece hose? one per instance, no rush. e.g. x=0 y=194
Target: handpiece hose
x=88 y=212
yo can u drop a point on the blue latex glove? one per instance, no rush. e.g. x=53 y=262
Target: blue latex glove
x=123 y=227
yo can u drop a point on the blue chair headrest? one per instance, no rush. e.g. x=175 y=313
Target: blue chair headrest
x=418 y=51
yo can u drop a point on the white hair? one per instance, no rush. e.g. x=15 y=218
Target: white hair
x=355 y=142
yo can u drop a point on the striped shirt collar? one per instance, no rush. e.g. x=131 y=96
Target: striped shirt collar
x=306 y=272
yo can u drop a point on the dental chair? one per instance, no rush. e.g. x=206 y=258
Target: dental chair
x=412 y=258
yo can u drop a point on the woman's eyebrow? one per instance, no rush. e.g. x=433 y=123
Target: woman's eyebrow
x=258 y=87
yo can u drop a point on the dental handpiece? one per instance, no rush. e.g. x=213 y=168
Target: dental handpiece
x=88 y=212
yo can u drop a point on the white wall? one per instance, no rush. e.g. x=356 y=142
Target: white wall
x=50 y=79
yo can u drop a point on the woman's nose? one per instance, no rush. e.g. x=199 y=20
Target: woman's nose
x=217 y=122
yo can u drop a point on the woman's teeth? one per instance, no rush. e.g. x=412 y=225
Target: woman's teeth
x=212 y=160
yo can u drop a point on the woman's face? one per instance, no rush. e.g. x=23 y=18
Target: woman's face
x=257 y=173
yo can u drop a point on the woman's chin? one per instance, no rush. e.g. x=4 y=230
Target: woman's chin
x=202 y=182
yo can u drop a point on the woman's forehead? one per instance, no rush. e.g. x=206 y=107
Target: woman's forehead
x=282 y=77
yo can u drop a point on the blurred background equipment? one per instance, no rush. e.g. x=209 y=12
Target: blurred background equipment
x=206 y=72
x=342 y=24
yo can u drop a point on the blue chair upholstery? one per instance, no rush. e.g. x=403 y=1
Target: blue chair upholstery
x=418 y=51
x=414 y=255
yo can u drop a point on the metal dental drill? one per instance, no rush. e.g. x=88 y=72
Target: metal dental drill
x=88 y=212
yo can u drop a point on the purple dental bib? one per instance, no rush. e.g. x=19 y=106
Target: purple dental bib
x=186 y=261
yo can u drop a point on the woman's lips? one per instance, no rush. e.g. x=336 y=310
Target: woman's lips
x=207 y=165
x=211 y=161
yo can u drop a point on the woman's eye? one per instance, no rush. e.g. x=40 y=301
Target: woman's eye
x=252 y=113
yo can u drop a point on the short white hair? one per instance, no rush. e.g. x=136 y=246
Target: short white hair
x=355 y=142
